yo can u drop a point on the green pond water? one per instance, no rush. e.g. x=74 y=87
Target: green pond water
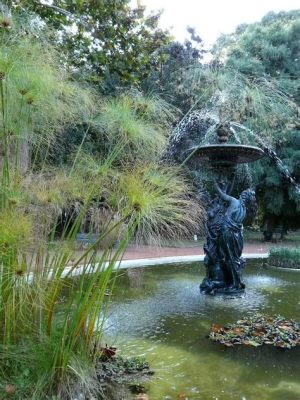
x=158 y=313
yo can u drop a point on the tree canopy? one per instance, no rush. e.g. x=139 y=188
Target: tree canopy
x=269 y=47
x=107 y=41
x=269 y=51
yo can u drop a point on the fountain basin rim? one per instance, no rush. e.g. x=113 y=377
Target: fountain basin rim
x=227 y=154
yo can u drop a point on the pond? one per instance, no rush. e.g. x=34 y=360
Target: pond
x=158 y=313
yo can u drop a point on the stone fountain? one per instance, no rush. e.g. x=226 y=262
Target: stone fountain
x=225 y=213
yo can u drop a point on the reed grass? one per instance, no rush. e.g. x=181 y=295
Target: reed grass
x=51 y=325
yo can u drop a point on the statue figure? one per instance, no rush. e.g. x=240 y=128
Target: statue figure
x=213 y=259
x=225 y=242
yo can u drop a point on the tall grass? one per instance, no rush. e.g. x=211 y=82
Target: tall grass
x=33 y=282
x=51 y=324
x=162 y=202
x=259 y=103
x=138 y=121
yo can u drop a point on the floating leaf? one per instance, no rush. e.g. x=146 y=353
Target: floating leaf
x=238 y=330
x=258 y=334
x=258 y=329
x=242 y=321
x=252 y=343
x=108 y=351
x=182 y=396
x=285 y=327
x=217 y=328
x=228 y=344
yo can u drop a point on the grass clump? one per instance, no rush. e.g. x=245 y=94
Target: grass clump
x=139 y=122
x=161 y=202
x=285 y=257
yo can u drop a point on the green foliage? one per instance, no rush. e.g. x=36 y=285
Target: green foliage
x=258 y=103
x=39 y=300
x=272 y=45
x=109 y=42
x=51 y=325
x=177 y=64
x=137 y=121
x=278 y=199
x=267 y=53
x=162 y=202
x=37 y=98
x=131 y=122
x=285 y=257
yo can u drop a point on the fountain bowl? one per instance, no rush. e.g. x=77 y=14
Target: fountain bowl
x=226 y=154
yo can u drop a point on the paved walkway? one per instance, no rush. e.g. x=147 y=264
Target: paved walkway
x=142 y=252
x=142 y=256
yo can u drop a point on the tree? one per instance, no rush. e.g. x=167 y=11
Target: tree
x=270 y=47
x=105 y=40
x=269 y=51
x=279 y=200
x=178 y=62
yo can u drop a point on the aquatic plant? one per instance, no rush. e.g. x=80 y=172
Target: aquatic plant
x=139 y=122
x=51 y=324
x=37 y=99
x=161 y=201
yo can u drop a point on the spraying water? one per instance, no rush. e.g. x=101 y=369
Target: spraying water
x=199 y=128
x=283 y=169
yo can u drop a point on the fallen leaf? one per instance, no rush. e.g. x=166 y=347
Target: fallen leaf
x=10 y=389
x=285 y=327
x=108 y=352
x=238 y=330
x=228 y=344
x=258 y=334
x=142 y=396
x=182 y=396
x=252 y=343
x=257 y=330
x=217 y=328
x=242 y=321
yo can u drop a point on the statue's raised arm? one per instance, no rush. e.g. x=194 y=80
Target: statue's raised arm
x=222 y=194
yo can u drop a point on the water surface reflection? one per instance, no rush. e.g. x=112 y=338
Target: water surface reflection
x=160 y=314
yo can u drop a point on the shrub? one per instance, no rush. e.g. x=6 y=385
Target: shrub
x=285 y=257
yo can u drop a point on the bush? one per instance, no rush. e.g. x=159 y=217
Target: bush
x=285 y=257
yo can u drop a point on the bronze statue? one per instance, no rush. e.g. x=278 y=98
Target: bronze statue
x=224 y=246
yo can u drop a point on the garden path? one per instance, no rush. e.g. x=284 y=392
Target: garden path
x=140 y=252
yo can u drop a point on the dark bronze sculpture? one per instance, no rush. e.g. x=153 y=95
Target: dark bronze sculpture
x=213 y=259
x=225 y=214
x=224 y=245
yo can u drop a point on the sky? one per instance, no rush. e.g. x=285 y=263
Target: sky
x=213 y=17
